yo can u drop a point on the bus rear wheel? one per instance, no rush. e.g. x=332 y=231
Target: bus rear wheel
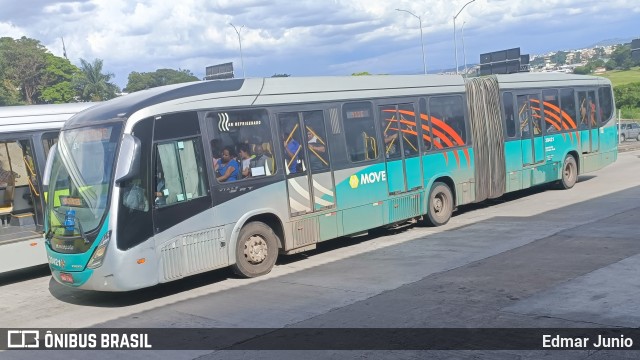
x=256 y=250
x=569 y=172
x=440 y=205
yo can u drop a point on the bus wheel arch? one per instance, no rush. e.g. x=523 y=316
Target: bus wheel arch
x=255 y=249
x=441 y=202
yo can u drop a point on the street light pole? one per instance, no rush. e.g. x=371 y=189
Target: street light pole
x=455 y=41
x=240 y=42
x=464 y=53
x=424 y=62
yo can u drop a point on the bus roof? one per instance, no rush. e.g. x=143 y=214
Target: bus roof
x=38 y=117
x=290 y=90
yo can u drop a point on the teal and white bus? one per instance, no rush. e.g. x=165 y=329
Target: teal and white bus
x=26 y=134
x=178 y=180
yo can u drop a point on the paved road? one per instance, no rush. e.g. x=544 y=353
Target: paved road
x=538 y=258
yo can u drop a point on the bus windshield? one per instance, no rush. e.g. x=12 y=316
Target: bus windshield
x=80 y=179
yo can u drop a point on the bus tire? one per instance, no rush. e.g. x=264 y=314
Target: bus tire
x=569 y=172
x=256 y=250
x=622 y=138
x=440 y=205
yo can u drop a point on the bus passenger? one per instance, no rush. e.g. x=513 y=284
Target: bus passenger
x=161 y=192
x=7 y=177
x=262 y=163
x=228 y=167
x=215 y=153
x=245 y=159
x=316 y=151
x=292 y=152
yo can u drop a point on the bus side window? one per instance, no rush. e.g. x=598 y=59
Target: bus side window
x=179 y=172
x=551 y=107
x=509 y=118
x=447 y=121
x=568 y=107
x=359 y=131
x=246 y=136
x=606 y=103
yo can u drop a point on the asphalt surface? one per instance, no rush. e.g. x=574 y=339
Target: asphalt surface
x=538 y=258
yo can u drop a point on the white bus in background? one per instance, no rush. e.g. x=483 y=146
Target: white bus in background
x=26 y=135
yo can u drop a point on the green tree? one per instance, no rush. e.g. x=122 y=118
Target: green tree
x=559 y=58
x=280 y=75
x=621 y=58
x=22 y=63
x=57 y=86
x=582 y=70
x=627 y=96
x=140 y=81
x=92 y=84
x=611 y=64
x=363 y=73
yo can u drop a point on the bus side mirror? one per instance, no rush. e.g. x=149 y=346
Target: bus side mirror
x=53 y=151
x=129 y=159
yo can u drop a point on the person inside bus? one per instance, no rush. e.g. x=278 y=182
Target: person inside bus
x=245 y=159
x=292 y=153
x=7 y=177
x=592 y=111
x=228 y=168
x=390 y=142
x=583 y=112
x=215 y=153
x=316 y=151
x=262 y=163
x=161 y=193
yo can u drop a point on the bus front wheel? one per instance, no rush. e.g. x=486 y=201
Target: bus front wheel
x=440 y=205
x=256 y=250
x=569 y=172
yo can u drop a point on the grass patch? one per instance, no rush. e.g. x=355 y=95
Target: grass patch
x=622 y=77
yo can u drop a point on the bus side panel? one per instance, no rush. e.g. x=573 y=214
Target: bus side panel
x=608 y=145
x=513 y=159
x=24 y=253
x=360 y=193
x=457 y=164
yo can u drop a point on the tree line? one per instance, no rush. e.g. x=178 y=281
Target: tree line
x=620 y=59
x=30 y=74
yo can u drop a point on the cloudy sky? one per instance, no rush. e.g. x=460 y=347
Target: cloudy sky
x=309 y=37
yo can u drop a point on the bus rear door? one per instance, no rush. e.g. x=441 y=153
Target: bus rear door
x=529 y=114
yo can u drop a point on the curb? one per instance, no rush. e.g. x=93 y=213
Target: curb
x=628 y=148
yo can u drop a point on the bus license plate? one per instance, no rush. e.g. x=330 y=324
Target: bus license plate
x=66 y=277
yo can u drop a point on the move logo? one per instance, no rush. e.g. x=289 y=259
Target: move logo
x=370 y=178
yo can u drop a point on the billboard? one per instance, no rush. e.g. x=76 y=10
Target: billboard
x=635 y=49
x=220 y=71
x=503 y=62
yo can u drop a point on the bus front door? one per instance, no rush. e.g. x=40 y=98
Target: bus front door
x=400 y=139
x=529 y=115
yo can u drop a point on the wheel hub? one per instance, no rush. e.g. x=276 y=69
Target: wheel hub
x=255 y=249
x=437 y=204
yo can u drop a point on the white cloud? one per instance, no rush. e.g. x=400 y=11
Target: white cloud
x=305 y=37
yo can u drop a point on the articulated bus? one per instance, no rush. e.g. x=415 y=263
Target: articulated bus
x=26 y=135
x=169 y=182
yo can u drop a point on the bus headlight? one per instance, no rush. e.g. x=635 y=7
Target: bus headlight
x=99 y=253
